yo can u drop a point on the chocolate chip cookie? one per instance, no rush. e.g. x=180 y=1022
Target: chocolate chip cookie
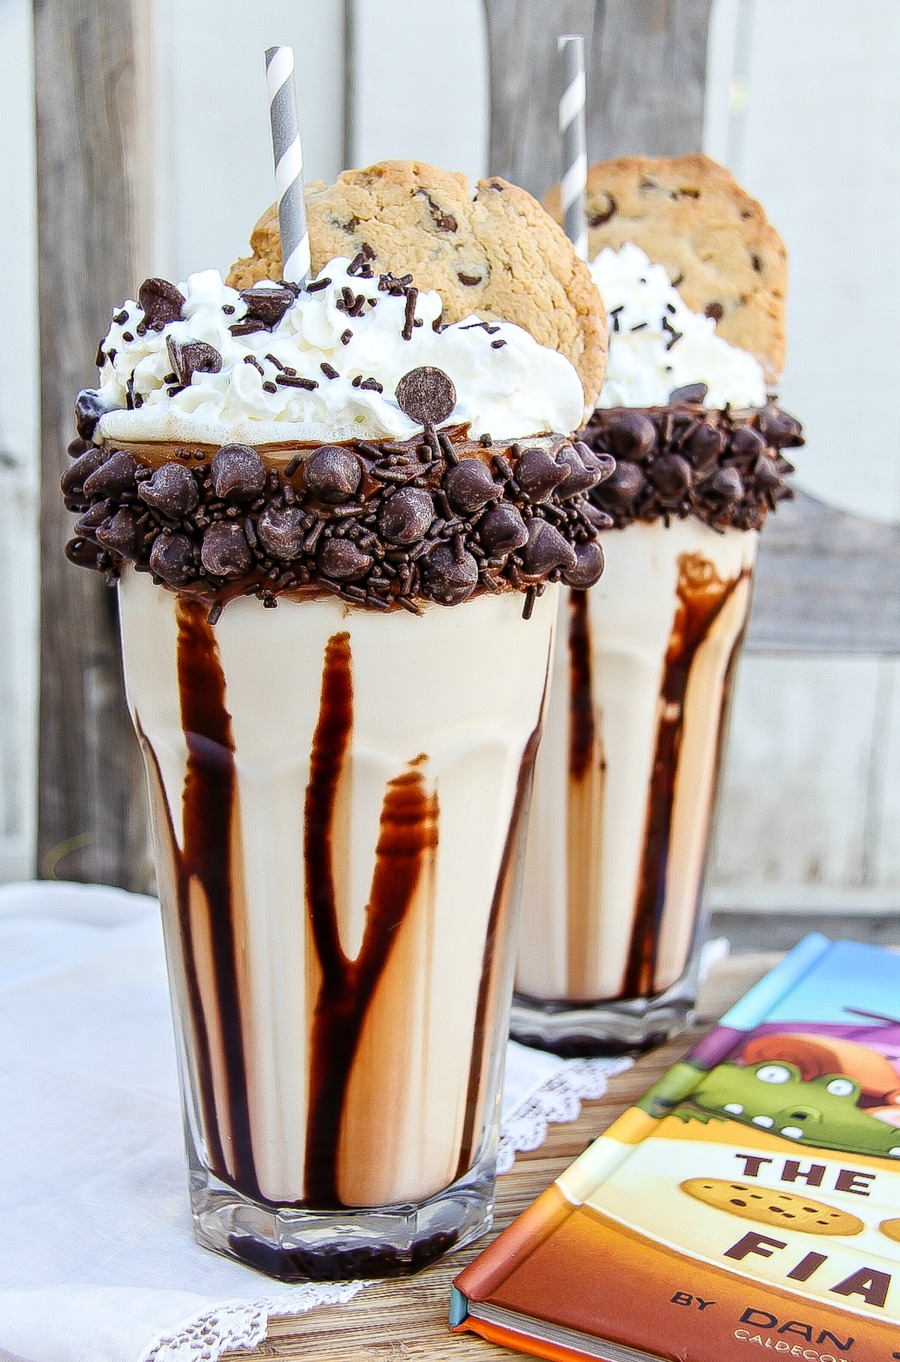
x=690 y=215
x=498 y=254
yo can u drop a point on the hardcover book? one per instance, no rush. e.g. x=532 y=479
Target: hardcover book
x=750 y=1201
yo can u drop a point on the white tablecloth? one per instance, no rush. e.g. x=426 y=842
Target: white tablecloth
x=97 y=1257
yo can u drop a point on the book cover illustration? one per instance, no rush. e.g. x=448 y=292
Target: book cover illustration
x=750 y=1200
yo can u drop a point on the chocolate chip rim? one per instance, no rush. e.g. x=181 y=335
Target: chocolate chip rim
x=724 y=467
x=379 y=523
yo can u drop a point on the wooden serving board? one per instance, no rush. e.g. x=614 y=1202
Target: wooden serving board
x=404 y=1321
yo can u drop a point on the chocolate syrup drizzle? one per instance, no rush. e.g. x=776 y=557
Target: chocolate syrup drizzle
x=582 y=725
x=210 y=816
x=408 y=838
x=204 y=879
x=492 y=964
x=586 y=796
x=204 y=875
x=698 y=610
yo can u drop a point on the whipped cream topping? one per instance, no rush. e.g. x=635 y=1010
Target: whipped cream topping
x=656 y=343
x=328 y=369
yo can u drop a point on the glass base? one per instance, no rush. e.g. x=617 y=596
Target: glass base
x=604 y=1028
x=294 y=1244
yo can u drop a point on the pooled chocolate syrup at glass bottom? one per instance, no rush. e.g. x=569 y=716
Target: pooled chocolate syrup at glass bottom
x=207 y=889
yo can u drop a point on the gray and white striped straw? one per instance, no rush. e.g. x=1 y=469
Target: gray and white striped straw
x=288 y=164
x=571 y=125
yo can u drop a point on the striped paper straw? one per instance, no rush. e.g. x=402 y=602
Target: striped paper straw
x=571 y=125
x=288 y=164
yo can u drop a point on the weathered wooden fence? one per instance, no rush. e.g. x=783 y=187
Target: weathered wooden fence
x=826 y=581
x=91 y=815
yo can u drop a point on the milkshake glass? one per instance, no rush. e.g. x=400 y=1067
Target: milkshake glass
x=643 y=672
x=338 y=785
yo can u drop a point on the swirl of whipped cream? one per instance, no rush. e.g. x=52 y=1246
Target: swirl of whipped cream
x=346 y=341
x=656 y=343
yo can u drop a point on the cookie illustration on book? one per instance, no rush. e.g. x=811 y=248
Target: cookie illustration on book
x=690 y=215
x=785 y=1209
x=497 y=254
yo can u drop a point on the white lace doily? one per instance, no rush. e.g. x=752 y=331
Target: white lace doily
x=243 y=1324
x=97 y=1258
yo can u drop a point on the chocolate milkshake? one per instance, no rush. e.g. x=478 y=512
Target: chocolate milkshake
x=338 y=782
x=644 y=663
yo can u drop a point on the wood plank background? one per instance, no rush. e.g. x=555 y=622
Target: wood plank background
x=91 y=813
x=824 y=833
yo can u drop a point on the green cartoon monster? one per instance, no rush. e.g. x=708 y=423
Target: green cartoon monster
x=773 y=1096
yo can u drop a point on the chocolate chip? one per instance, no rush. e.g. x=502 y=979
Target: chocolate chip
x=538 y=474
x=446 y=578
x=192 y=357
x=546 y=549
x=624 y=486
x=470 y=280
x=765 y=472
x=690 y=392
x=332 y=474
x=77 y=447
x=173 y=559
x=281 y=531
x=83 y=552
x=599 y=519
x=598 y=219
x=470 y=486
x=502 y=530
x=343 y=560
x=426 y=395
x=267 y=305
x=586 y=469
x=705 y=446
x=238 y=473
x=631 y=435
x=121 y=533
x=747 y=443
x=88 y=410
x=588 y=566
x=76 y=475
x=87 y=525
x=406 y=516
x=114 y=478
x=172 y=489
x=225 y=551
x=729 y=484
x=778 y=427
x=444 y=222
x=162 y=302
x=672 y=475
x=714 y=310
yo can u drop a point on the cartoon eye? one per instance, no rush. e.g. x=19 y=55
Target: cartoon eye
x=773 y=1073
x=841 y=1087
